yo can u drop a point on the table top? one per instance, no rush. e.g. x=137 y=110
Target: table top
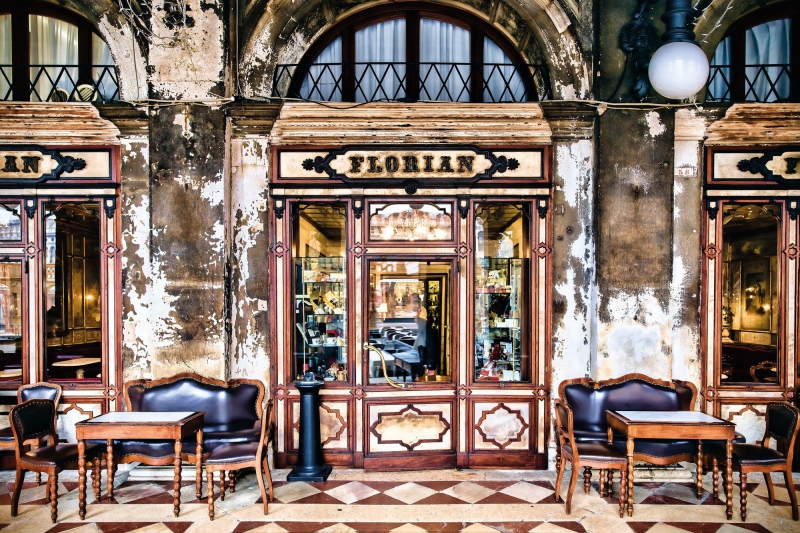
x=668 y=417
x=10 y=373
x=81 y=361
x=143 y=418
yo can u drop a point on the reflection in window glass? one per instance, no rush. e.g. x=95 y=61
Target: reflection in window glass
x=73 y=312
x=411 y=222
x=501 y=341
x=408 y=320
x=10 y=223
x=10 y=321
x=749 y=310
x=320 y=296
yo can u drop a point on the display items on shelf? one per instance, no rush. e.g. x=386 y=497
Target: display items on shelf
x=321 y=338
x=498 y=334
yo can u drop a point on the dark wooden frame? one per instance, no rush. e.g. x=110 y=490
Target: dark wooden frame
x=412 y=12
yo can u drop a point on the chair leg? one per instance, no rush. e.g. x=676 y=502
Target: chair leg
x=610 y=483
x=587 y=478
x=260 y=479
x=572 y=480
x=787 y=477
x=210 y=490
x=96 y=476
x=232 y=481
x=17 y=490
x=715 y=476
x=743 y=495
x=269 y=478
x=770 y=489
x=623 y=490
x=222 y=485
x=53 y=484
x=562 y=465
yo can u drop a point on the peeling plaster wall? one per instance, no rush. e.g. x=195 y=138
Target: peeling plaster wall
x=249 y=355
x=635 y=232
x=186 y=274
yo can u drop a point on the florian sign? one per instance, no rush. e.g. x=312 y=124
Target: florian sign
x=33 y=164
x=782 y=165
x=443 y=164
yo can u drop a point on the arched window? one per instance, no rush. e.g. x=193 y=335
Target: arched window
x=757 y=61
x=409 y=53
x=48 y=54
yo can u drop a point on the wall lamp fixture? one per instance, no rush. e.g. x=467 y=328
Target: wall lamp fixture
x=679 y=68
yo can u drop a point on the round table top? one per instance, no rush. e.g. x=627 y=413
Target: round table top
x=10 y=373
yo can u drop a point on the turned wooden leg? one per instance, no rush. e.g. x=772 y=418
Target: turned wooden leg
x=82 y=479
x=623 y=490
x=729 y=479
x=199 y=465
x=110 y=468
x=602 y=483
x=610 y=483
x=629 y=490
x=176 y=482
x=210 y=490
x=232 y=481
x=96 y=471
x=743 y=495
x=699 y=469
x=715 y=476
x=587 y=478
x=222 y=485
x=53 y=484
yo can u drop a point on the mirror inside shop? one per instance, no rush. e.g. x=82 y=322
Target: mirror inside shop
x=749 y=305
x=320 y=288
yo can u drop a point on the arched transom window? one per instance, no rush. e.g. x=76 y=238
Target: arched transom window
x=412 y=53
x=50 y=54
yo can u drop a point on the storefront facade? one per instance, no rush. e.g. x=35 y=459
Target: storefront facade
x=435 y=207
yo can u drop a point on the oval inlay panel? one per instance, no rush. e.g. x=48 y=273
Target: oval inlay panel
x=410 y=427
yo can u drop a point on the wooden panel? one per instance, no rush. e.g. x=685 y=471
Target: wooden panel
x=410 y=427
x=756 y=125
x=501 y=425
x=53 y=123
x=333 y=422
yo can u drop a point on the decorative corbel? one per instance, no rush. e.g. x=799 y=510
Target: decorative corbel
x=358 y=206
x=279 y=203
x=712 y=206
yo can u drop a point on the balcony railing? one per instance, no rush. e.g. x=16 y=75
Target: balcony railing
x=756 y=83
x=59 y=83
x=411 y=82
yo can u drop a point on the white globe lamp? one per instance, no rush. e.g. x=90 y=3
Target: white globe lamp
x=678 y=70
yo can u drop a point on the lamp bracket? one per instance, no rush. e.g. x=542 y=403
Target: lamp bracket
x=679 y=17
x=638 y=38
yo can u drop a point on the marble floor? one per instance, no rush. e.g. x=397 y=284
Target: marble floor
x=354 y=500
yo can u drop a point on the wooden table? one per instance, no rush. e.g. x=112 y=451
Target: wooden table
x=78 y=362
x=139 y=425
x=679 y=425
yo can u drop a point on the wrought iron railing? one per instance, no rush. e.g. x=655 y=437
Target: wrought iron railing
x=59 y=83
x=409 y=82
x=755 y=83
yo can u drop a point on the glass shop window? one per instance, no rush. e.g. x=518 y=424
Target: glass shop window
x=72 y=288
x=411 y=222
x=501 y=350
x=10 y=222
x=409 y=320
x=11 y=324
x=750 y=288
x=320 y=292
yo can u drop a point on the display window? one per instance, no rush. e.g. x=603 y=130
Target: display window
x=320 y=292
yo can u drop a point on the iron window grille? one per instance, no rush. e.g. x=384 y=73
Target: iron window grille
x=61 y=83
x=761 y=83
x=411 y=82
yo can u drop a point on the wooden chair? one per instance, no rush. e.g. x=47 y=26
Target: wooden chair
x=587 y=454
x=47 y=391
x=782 y=424
x=232 y=457
x=33 y=420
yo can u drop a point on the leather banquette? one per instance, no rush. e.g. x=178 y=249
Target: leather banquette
x=589 y=401
x=232 y=414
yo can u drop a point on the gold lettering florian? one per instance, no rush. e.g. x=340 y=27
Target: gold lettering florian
x=412 y=164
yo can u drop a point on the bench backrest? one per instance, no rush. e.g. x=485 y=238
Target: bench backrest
x=589 y=400
x=238 y=400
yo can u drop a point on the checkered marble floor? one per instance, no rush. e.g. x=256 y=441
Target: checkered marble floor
x=402 y=502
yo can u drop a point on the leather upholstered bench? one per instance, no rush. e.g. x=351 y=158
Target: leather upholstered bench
x=232 y=414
